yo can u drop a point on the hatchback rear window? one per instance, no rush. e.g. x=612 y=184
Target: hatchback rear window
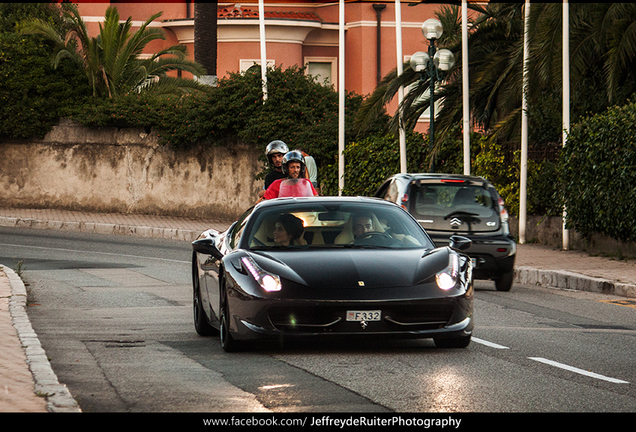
x=453 y=206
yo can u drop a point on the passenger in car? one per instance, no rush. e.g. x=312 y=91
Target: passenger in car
x=288 y=230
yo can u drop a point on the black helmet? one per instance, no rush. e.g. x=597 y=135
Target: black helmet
x=276 y=146
x=294 y=156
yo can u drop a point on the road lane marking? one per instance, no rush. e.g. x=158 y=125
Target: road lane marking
x=94 y=252
x=577 y=370
x=488 y=344
x=623 y=302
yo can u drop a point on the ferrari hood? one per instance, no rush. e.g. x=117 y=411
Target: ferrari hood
x=354 y=268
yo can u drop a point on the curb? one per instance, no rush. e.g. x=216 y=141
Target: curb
x=563 y=279
x=58 y=397
x=102 y=228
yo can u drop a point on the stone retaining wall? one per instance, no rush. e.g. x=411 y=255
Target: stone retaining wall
x=126 y=171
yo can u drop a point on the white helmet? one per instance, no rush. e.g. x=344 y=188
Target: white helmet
x=276 y=146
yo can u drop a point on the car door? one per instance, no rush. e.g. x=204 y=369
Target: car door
x=225 y=244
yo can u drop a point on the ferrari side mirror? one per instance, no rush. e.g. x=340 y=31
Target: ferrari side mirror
x=460 y=243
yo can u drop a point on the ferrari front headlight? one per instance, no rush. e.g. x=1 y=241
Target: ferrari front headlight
x=447 y=279
x=268 y=281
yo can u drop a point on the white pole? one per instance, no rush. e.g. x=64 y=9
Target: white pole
x=524 y=130
x=465 y=88
x=261 y=26
x=400 y=69
x=341 y=98
x=566 y=98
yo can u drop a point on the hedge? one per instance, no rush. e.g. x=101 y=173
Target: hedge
x=598 y=174
x=32 y=92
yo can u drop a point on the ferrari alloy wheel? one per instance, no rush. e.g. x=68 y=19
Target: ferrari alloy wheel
x=227 y=341
x=201 y=325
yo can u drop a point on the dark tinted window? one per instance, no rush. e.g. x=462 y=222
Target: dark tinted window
x=453 y=206
x=333 y=225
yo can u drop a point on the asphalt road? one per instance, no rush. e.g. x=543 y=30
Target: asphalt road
x=114 y=316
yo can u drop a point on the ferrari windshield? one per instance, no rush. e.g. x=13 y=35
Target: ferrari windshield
x=335 y=225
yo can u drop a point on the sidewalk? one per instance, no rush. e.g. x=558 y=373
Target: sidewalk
x=28 y=383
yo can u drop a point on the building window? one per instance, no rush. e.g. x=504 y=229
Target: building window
x=245 y=64
x=322 y=69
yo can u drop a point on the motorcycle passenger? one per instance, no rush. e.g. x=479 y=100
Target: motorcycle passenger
x=293 y=165
x=275 y=152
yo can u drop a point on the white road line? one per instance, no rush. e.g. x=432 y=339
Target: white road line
x=577 y=370
x=488 y=344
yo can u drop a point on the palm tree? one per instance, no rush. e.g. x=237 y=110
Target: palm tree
x=112 y=61
x=603 y=57
x=495 y=74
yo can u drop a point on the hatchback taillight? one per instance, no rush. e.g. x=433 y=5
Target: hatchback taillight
x=503 y=214
x=405 y=199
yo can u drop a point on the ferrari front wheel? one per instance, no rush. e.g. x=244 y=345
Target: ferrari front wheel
x=201 y=325
x=228 y=343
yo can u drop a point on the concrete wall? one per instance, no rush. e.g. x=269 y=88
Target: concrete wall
x=549 y=231
x=126 y=171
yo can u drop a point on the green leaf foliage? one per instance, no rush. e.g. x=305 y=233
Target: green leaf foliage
x=598 y=174
x=32 y=92
x=298 y=110
x=370 y=161
x=112 y=60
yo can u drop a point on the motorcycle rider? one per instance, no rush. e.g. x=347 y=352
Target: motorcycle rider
x=295 y=184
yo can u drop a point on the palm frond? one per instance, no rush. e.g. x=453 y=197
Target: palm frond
x=172 y=86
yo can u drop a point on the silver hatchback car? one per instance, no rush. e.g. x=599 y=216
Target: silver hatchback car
x=448 y=204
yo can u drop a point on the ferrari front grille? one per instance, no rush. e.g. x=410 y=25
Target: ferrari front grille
x=438 y=315
x=296 y=319
x=404 y=317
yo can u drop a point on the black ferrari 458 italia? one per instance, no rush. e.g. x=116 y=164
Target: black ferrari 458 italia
x=330 y=266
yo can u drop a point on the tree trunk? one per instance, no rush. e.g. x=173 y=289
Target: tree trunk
x=205 y=38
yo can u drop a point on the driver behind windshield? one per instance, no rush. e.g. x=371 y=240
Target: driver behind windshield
x=362 y=224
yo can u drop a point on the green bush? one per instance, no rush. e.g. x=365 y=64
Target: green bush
x=598 y=174
x=32 y=92
x=372 y=160
x=298 y=110
x=131 y=110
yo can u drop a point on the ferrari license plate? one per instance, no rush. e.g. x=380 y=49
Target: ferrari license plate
x=372 y=315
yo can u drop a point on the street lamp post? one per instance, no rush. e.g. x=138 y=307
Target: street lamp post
x=442 y=60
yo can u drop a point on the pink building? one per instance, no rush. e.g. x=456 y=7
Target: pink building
x=301 y=32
